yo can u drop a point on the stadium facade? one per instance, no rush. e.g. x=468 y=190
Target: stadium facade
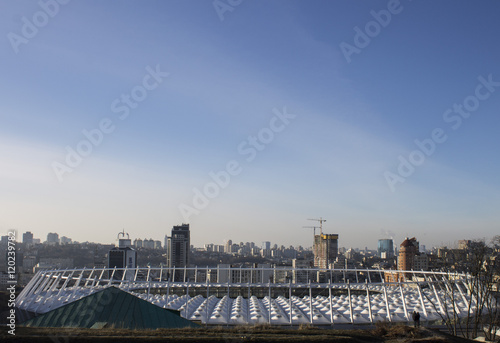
x=263 y=295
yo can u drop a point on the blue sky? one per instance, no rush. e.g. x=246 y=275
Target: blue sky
x=353 y=119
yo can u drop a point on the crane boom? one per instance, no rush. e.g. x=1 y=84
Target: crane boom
x=321 y=221
x=311 y=227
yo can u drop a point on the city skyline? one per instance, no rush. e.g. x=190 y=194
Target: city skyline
x=154 y=242
x=380 y=117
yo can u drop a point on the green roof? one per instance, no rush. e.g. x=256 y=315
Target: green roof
x=111 y=307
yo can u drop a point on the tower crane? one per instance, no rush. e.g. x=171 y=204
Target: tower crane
x=321 y=221
x=311 y=227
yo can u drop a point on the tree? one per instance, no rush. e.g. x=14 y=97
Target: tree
x=478 y=291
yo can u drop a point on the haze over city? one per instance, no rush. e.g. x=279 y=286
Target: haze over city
x=381 y=117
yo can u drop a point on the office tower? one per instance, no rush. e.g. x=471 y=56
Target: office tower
x=385 y=248
x=28 y=238
x=122 y=256
x=325 y=249
x=52 y=238
x=178 y=246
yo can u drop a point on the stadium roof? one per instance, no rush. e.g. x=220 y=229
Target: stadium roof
x=111 y=307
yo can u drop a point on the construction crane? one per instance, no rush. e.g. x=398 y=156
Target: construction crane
x=311 y=227
x=321 y=221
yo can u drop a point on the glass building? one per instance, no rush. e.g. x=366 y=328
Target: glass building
x=385 y=248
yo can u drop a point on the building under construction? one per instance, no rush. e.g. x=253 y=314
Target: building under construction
x=326 y=248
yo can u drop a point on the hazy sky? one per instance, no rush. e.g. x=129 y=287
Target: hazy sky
x=114 y=114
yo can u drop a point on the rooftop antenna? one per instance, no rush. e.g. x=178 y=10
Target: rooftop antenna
x=321 y=221
x=123 y=234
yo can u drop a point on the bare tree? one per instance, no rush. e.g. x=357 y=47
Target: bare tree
x=445 y=292
x=478 y=291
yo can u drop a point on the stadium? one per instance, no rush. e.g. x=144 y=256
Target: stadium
x=276 y=296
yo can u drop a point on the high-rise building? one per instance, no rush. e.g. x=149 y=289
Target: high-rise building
x=409 y=258
x=52 y=238
x=266 y=249
x=123 y=242
x=178 y=247
x=65 y=240
x=121 y=257
x=407 y=251
x=229 y=246
x=420 y=262
x=138 y=243
x=385 y=248
x=28 y=238
x=148 y=243
x=325 y=249
x=300 y=275
x=4 y=240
